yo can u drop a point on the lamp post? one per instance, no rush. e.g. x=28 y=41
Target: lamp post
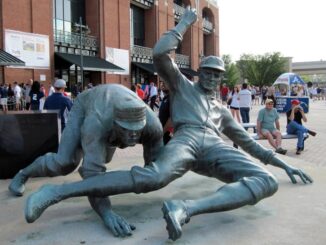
x=81 y=28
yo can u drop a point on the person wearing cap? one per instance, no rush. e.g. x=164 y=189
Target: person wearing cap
x=295 y=116
x=198 y=119
x=57 y=101
x=102 y=119
x=268 y=126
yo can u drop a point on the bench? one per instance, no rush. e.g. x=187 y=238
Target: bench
x=254 y=135
x=285 y=136
x=250 y=125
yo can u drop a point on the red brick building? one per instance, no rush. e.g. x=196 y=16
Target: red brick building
x=44 y=34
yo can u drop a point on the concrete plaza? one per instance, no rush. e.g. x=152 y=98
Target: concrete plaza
x=296 y=214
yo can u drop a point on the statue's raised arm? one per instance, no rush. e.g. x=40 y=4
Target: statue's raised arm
x=164 y=64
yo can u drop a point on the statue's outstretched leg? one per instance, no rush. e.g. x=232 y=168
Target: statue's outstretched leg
x=107 y=184
x=230 y=196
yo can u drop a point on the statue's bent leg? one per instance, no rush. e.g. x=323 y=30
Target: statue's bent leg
x=54 y=164
x=247 y=183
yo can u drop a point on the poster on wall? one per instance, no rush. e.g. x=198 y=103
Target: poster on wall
x=118 y=57
x=31 y=48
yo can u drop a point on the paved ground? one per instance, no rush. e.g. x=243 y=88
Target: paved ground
x=296 y=214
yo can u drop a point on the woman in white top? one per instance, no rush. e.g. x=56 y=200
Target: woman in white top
x=234 y=106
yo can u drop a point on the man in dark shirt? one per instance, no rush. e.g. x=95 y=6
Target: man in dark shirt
x=57 y=101
x=165 y=116
x=295 y=116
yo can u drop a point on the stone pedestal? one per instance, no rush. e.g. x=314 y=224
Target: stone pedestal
x=24 y=136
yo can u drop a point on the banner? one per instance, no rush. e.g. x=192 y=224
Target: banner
x=118 y=57
x=31 y=48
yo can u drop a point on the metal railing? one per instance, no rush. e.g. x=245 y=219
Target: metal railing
x=72 y=38
x=182 y=60
x=145 y=55
x=178 y=11
x=144 y=3
x=141 y=54
x=207 y=26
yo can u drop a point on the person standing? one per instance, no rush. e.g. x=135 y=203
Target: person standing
x=224 y=93
x=153 y=96
x=4 y=97
x=268 y=126
x=51 y=90
x=36 y=95
x=295 y=116
x=18 y=95
x=139 y=91
x=165 y=116
x=145 y=88
x=234 y=105
x=263 y=95
x=57 y=101
x=244 y=98
x=27 y=96
x=11 y=99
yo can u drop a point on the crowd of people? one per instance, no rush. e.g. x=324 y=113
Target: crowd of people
x=240 y=101
x=33 y=96
x=24 y=96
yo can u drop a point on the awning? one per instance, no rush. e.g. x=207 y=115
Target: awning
x=7 y=59
x=90 y=63
x=189 y=72
x=149 y=67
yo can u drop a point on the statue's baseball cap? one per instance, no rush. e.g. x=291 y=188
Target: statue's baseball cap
x=212 y=62
x=60 y=83
x=130 y=114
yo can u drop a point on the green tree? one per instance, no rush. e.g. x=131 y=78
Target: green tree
x=261 y=69
x=231 y=75
x=306 y=78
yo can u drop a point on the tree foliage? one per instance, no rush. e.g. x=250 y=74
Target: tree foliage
x=231 y=75
x=261 y=69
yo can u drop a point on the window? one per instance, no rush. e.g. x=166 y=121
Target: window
x=138 y=25
x=179 y=2
x=67 y=12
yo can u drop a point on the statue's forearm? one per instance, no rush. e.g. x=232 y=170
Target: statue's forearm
x=276 y=162
x=170 y=40
x=182 y=27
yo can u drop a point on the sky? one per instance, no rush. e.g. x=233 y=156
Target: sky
x=295 y=28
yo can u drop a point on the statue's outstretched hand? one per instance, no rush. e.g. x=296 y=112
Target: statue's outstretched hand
x=189 y=16
x=291 y=172
x=117 y=224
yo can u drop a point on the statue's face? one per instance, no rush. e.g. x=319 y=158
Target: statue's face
x=209 y=79
x=127 y=137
